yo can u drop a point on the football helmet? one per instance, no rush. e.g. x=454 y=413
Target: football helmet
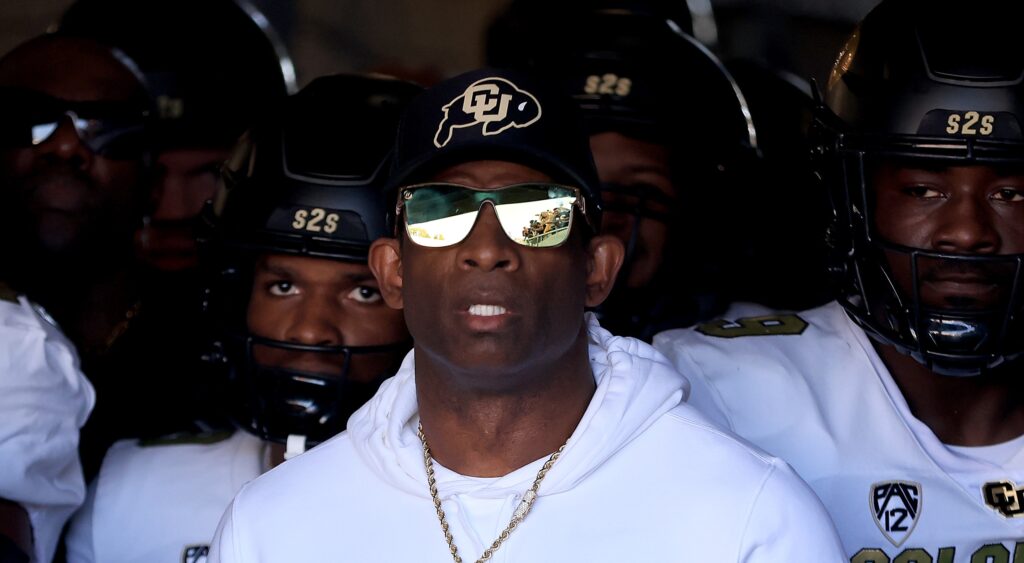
x=210 y=65
x=304 y=181
x=902 y=91
x=633 y=69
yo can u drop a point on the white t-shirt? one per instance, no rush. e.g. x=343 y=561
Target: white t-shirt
x=160 y=502
x=810 y=388
x=644 y=477
x=44 y=401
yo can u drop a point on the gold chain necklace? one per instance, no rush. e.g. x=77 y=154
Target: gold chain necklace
x=517 y=517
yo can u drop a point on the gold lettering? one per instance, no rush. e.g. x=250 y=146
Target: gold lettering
x=332 y=223
x=970 y=119
x=754 y=326
x=954 y=124
x=300 y=219
x=870 y=556
x=608 y=84
x=315 y=217
x=991 y=553
x=913 y=556
x=986 y=124
x=966 y=124
x=624 y=87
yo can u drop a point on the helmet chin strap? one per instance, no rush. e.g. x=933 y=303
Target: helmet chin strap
x=294 y=445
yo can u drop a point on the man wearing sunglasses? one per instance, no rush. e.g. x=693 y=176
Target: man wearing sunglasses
x=517 y=429
x=72 y=165
x=212 y=67
x=70 y=161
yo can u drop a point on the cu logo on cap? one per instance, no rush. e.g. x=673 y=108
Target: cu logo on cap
x=495 y=104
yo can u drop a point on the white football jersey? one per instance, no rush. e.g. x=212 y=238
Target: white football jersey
x=160 y=502
x=810 y=388
x=44 y=401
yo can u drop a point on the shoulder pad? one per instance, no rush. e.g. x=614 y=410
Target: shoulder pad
x=187 y=438
x=765 y=325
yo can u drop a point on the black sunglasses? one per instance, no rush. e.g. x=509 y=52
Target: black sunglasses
x=113 y=130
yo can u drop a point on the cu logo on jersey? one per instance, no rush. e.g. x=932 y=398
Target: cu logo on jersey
x=896 y=506
x=1004 y=498
x=195 y=554
x=495 y=104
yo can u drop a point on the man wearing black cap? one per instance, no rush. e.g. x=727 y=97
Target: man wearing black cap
x=518 y=429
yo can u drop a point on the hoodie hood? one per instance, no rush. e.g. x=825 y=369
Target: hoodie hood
x=635 y=386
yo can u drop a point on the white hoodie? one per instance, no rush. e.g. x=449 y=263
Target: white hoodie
x=643 y=478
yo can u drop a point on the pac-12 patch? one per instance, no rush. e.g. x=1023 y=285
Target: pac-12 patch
x=195 y=554
x=896 y=507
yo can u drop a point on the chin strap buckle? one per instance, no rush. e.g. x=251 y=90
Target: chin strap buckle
x=295 y=445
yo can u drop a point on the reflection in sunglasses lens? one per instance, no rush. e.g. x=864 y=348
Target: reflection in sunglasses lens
x=536 y=215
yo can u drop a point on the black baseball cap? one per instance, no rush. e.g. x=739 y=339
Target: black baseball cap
x=496 y=114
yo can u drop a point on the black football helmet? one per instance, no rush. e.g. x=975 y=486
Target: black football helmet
x=905 y=90
x=211 y=66
x=633 y=69
x=304 y=181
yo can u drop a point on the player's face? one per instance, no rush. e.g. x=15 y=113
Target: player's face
x=634 y=166
x=185 y=179
x=321 y=302
x=65 y=196
x=487 y=306
x=962 y=210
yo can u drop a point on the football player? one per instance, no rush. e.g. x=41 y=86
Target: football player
x=901 y=403
x=44 y=400
x=210 y=66
x=662 y=165
x=73 y=158
x=305 y=332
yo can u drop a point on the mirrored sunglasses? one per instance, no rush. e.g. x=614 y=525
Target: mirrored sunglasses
x=538 y=214
x=110 y=138
x=110 y=129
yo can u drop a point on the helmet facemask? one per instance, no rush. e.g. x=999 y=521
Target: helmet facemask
x=888 y=288
x=280 y=389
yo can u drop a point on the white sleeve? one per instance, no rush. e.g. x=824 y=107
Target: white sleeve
x=788 y=523
x=79 y=540
x=224 y=548
x=44 y=400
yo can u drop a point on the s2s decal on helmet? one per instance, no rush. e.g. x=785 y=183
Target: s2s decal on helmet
x=608 y=84
x=494 y=103
x=970 y=123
